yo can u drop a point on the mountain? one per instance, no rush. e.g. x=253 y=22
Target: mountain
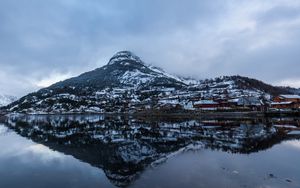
x=246 y=83
x=123 y=70
x=6 y=99
x=127 y=84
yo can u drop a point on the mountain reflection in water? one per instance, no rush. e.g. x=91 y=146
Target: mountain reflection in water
x=123 y=147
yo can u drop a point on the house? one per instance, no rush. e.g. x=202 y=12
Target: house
x=248 y=102
x=286 y=102
x=285 y=105
x=206 y=105
x=245 y=101
x=188 y=105
x=100 y=94
x=170 y=107
x=287 y=98
x=169 y=100
x=223 y=103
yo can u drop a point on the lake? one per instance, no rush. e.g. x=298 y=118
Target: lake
x=115 y=151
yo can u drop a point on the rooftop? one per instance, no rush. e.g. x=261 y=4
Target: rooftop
x=205 y=102
x=290 y=96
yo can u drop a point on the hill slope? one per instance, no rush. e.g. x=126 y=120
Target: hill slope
x=6 y=99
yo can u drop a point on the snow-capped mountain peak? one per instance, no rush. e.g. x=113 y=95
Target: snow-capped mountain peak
x=124 y=70
x=125 y=58
x=135 y=69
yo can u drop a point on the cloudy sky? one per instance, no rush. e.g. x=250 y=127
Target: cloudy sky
x=42 y=42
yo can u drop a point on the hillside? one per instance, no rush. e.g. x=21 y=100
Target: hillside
x=6 y=99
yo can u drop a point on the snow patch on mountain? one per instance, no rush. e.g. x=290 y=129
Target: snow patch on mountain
x=6 y=99
x=163 y=73
x=135 y=77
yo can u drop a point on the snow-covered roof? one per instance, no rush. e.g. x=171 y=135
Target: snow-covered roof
x=100 y=92
x=233 y=100
x=168 y=101
x=290 y=96
x=280 y=103
x=205 y=102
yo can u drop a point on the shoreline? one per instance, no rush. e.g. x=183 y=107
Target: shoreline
x=181 y=115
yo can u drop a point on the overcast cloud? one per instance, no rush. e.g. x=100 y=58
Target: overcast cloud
x=42 y=42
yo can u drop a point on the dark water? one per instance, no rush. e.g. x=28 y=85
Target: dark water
x=97 y=151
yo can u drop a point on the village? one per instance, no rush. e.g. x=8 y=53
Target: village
x=219 y=97
x=170 y=100
x=126 y=100
x=282 y=103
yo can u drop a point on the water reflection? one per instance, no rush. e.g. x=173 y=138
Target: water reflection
x=28 y=164
x=124 y=146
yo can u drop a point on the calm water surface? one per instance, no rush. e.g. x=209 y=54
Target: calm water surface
x=97 y=151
